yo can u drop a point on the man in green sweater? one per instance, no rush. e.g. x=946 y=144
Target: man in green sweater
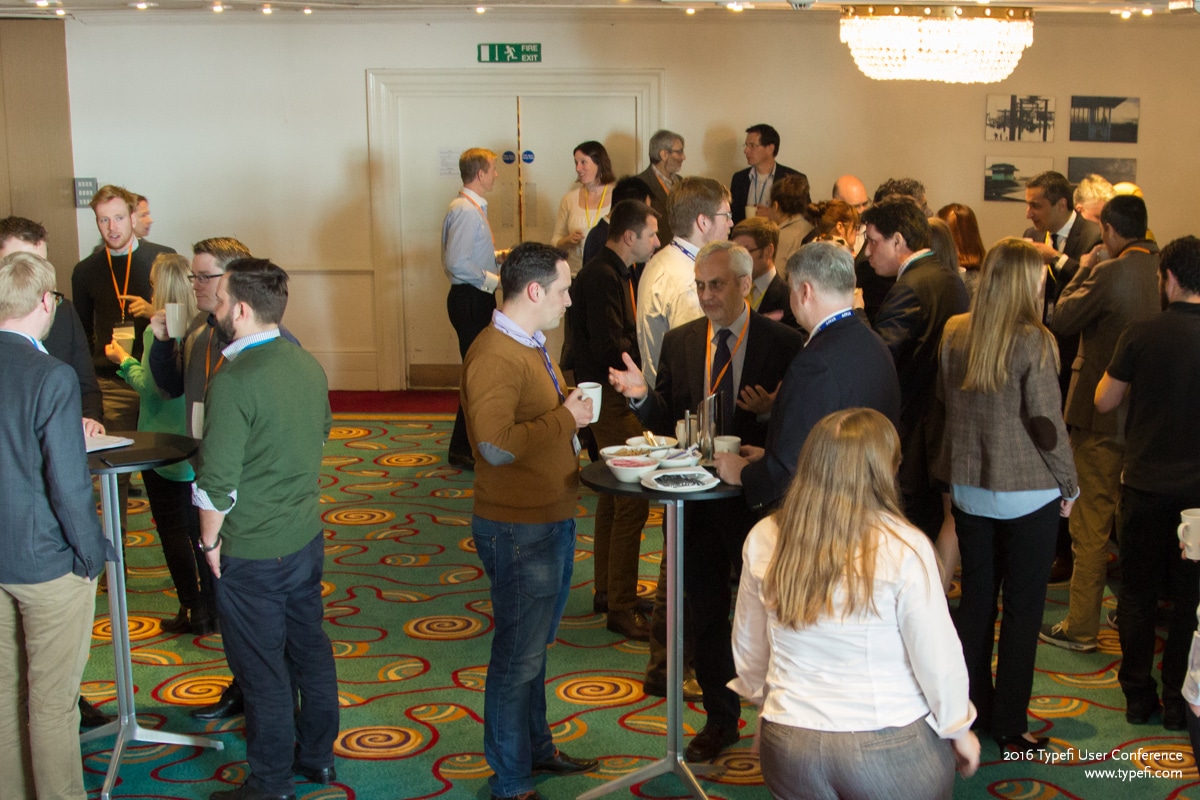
x=522 y=425
x=266 y=423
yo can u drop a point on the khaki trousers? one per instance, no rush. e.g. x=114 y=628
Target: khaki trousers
x=1098 y=464
x=45 y=638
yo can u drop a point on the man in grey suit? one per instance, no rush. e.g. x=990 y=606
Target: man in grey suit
x=666 y=159
x=51 y=547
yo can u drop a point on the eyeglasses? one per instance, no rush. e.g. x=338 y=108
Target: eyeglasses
x=678 y=152
x=203 y=279
x=58 y=298
x=724 y=214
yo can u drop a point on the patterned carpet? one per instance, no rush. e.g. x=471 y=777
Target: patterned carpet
x=407 y=609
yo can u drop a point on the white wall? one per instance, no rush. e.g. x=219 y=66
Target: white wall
x=257 y=128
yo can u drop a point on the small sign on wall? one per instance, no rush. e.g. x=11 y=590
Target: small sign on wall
x=510 y=53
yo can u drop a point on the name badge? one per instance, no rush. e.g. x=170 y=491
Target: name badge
x=197 y=420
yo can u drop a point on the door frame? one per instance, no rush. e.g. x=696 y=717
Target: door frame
x=385 y=90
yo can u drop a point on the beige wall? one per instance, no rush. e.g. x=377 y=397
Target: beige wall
x=258 y=127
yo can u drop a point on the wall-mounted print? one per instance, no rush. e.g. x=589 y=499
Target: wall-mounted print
x=1105 y=119
x=1019 y=118
x=1114 y=170
x=1004 y=177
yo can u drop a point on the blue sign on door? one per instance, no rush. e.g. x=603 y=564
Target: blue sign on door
x=509 y=157
x=527 y=156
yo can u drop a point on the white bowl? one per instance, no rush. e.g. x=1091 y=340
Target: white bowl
x=632 y=468
x=627 y=451
x=659 y=441
x=678 y=458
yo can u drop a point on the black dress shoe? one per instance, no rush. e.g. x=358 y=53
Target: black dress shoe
x=90 y=716
x=563 y=764
x=629 y=624
x=245 y=792
x=1142 y=713
x=709 y=742
x=1060 y=570
x=1020 y=744
x=1174 y=717
x=230 y=704
x=181 y=623
x=324 y=775
x=461 y=461
x=600 y=603
x=204 y=625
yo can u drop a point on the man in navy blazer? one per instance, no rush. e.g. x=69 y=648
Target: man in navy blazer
x=690 y=368
x=752 y=186
x=844 y=364
x=51 y=547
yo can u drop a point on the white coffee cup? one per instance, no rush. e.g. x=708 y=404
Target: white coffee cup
x=176 y=321
x=727 y=444
x=1189 y=533
x=751 y=211
x=123 y=335
x=592 y=390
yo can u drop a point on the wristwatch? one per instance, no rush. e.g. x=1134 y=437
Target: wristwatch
x=209 y=548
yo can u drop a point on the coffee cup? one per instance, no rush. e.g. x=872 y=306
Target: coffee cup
x=176 y=321
x=123 y=335
x=1189 y=533
x=592 y=390
x=727 y=444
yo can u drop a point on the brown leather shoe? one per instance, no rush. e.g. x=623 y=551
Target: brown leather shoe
x=629 y=624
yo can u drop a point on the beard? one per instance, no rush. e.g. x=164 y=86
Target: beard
x=225 y=327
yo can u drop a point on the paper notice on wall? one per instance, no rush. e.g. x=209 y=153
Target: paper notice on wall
x=531 y=205
x=447 y=163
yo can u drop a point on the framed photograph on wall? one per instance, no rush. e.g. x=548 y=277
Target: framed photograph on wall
x=1105 y=119
x=1004 y=177
x=1019 y=118
x=1114 y=170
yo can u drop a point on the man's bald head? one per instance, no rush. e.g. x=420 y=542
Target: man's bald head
x=850 y=190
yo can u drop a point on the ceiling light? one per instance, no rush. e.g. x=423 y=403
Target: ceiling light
x=42 y=3
x=480 y=10
x=734 y=6
x=1126 y=14
x=690 y=11
x=60 y=12
x=952 y=44
x=218 y=8
x=307 y=11
x=1147 y=12
x=266 y=9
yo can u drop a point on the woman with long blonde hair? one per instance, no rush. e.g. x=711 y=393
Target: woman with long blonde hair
x=169 y=488
x=1006 y=457
x=842 y=634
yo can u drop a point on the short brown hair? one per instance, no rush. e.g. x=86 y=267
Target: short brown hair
x=110 y=192
x=760 y=229
x=692 y=198
x=223 y=249
x=473 y=161
x=21 y=228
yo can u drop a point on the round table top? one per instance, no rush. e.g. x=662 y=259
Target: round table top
x=149 y=450
x=599 y=477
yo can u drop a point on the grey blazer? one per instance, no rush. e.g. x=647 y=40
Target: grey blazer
x=48 y=522
x=1012 y=440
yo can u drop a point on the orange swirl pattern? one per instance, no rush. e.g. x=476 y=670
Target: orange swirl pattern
x=403 y=669
x=358 y=516
x=466 y=766
x=344 y=432
x=407 y=460
x=377 y=742
x=605 y=690
x=195 y=690
x=741 y=768
x=139 y=628
x=405 y=560
x=443 y=627
x=139 y=538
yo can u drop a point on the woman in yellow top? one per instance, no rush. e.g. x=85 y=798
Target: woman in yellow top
x=582 y=208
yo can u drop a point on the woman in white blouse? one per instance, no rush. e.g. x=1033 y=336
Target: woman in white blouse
x=842 y=634
x=582 y=208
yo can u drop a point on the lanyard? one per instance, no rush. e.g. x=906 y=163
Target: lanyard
x=550 y=369
x=665 y=188
x=632 y=299
x=1135 y=250
x=841 y=315
x=679 y=247
x=587 y=214
x=758 y=192
x=208 y=362
x=128 y=272
x=482 y=215
x=715 y=382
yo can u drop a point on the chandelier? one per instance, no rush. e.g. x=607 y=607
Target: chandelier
x=953 y=44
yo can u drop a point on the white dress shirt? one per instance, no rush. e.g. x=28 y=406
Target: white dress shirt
x=468 y=252
x=666 y=299
x=880 y=668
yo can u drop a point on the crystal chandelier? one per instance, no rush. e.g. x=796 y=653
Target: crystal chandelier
x=953 y=44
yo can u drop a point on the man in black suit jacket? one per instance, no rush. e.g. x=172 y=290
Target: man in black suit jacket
x=51 y=547
x=910 y=321
x=843 y=365
x=752 y=186
x=769 y=292
x=691 y=368
x=666 y=159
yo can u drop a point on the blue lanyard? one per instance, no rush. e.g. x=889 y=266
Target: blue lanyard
x=758 y=193
x=679 y=247
x=550 y=369
x=849 y=312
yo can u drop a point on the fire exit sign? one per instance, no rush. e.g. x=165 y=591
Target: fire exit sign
x=510 y=53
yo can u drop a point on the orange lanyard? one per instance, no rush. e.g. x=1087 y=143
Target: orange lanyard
x=713 y=384
x=128 y=272
x=208 y=361
x=1134 y=250
x=587 y=213
x=632 y=299
x=660 y=183
x=483 y=215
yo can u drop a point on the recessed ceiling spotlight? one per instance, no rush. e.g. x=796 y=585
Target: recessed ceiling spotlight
x=480 y=10
x=734 y=6
x=266 y=9
x=218 y=8
x=1147 y=12
x=60 y=12
x=42 y=3
x=307 y=11
x=1126 y=14
x=690 y=11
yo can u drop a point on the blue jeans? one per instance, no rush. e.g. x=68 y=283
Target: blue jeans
x=530 y=569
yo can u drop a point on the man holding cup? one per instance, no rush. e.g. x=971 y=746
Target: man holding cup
x=603 y=325
x=1158 y=361
x=742 y=356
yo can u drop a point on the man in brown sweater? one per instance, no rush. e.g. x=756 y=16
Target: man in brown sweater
x=522 y=427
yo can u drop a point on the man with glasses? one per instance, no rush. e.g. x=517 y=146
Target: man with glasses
x=50 y=535
x=662 y=176
x=769 y=293
x=698 y=211
x=752 y=186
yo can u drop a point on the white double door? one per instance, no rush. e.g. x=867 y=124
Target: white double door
x=541 y=131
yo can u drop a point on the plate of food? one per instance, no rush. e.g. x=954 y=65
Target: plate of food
x=684 y=479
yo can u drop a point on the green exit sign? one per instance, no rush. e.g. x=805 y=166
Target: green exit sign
x=510 y=53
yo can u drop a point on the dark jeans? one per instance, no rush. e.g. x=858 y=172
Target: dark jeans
x=714 y=533
x=178 y=524
x=1151 y=563
x=530 y=568
x=1193 y=729
x=1013 y=556
x=271 y=613
x=470 y=312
